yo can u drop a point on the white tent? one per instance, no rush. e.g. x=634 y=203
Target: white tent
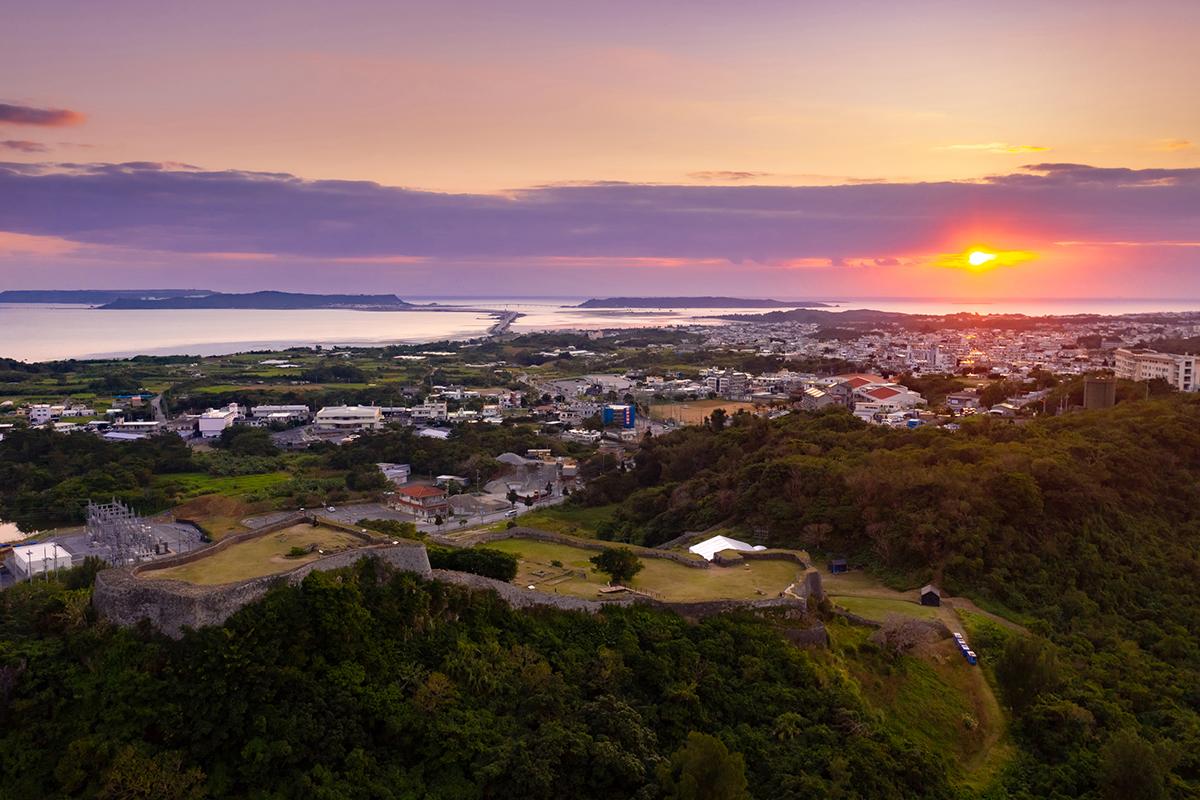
x=35 y=559
x=710 y=547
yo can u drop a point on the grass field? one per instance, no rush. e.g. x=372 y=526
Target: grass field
x=879 y=609
x=693 y=412
x=571 y=520
x=196 y=484
x=265 y=555
x=668 y=579
x=936 y=698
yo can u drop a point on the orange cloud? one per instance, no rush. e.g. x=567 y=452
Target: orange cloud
x=1172 y=145
x=1129 y=244
x=44 y=117
x=998 y=147
x=632 y=261
x=24 y=245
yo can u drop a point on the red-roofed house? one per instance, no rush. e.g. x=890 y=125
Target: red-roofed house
x=424 y=502
x=874 y=401
x=857 y=380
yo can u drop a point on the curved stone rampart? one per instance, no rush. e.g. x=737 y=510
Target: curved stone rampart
x=125 y=596
x=128 y=595
x=519 y=532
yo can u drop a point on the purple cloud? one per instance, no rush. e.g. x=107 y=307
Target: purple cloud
x=178 y=208
x=24 y=146
x=44 y=117
x=726 y=175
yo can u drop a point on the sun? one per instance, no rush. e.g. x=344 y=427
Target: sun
x=977 y=258
x=983 y=259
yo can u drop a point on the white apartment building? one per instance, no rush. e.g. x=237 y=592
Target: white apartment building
x=429 y=411
x=727 y=383
x=41 y=413
x=349 y=418
x=215 y=420
x=1140 y=364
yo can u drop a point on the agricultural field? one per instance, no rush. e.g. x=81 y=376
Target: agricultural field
x=264 y=555
x=661 y=577
x=693 y=412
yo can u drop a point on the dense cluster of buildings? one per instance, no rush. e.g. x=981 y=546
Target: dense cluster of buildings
x=1060 y=345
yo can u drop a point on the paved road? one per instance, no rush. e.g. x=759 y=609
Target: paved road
x=156 y=404
x=352 y=513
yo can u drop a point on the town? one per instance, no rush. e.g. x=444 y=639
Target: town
x=564 y=470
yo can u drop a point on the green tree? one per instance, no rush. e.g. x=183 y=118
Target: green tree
x=704 y=769
x=718 y=418
x=366 y=478
x=1026 y=669
x=1131 y=769
x=246 y=441
x=619 y=563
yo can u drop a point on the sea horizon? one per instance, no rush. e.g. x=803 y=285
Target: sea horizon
x=62 y=331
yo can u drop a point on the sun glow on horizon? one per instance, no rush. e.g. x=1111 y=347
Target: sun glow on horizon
x=984 y=259
x=977 y=258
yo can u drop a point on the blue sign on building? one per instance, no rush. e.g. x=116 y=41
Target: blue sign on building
x=618 y=415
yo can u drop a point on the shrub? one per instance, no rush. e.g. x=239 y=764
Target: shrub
x=476 y=560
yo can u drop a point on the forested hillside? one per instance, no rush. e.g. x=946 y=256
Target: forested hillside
x=372 y=684
x=1085 y=526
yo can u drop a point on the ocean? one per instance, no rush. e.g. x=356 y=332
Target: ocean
x=48 y=332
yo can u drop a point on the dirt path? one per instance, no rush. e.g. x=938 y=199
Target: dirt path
x=860 y=584
x=964 y=604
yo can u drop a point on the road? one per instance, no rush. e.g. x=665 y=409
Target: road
x=352 y=513
x=156 y=405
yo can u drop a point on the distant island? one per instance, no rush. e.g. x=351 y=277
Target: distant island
x=91 y=297
x=694 y=302
x=266 y=300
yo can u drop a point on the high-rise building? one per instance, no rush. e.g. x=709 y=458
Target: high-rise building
x=1142 y=364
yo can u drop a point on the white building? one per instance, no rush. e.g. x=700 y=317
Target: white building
x=288 y=412
x=396 y=473
x=429 y=411
x=1139 y=364
x=709 y=548
x=349 y=418
x=215 y=420
x=727 y=383
x=34 y=559
x=41 y=413
x=148 y=427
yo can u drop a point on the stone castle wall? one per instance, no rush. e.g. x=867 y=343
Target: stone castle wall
x=687 y=559
x=126 y=596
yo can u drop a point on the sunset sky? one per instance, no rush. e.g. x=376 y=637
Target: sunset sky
x=794 y=149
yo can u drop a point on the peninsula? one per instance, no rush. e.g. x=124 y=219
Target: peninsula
x=266 y=300
x=694 y=302
x=90 y=297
